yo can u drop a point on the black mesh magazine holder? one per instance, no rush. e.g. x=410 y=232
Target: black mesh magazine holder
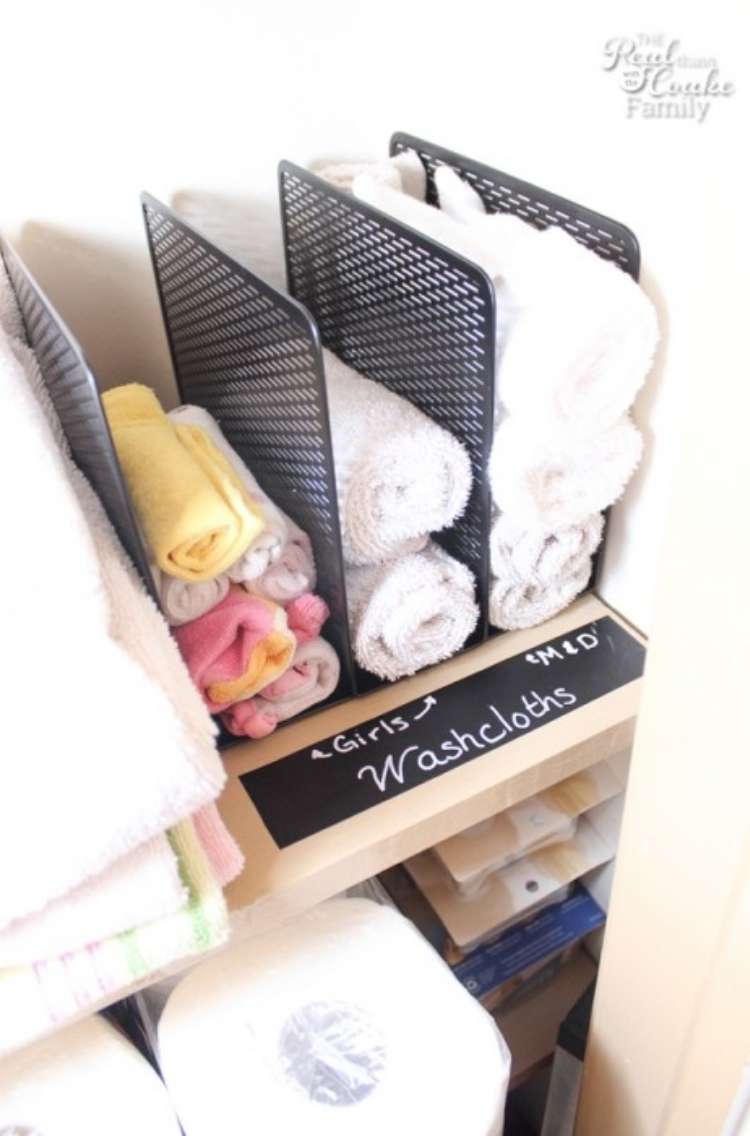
x=251 y=357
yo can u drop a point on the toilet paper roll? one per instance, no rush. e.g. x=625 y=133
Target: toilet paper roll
x=86 y=1080
x=343 y=1022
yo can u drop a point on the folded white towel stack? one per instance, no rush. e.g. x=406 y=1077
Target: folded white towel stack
x=410 y=613
x=94 y=789
x=399 y=475
x=576 y=337
x=142 y=886
x=535 y=574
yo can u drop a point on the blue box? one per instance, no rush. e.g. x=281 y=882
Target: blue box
x=520 y=949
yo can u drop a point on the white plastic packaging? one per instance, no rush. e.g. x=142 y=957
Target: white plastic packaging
x=86 y=1080
x=342 y=1022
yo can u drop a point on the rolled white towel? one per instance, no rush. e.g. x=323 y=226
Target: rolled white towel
x=535 y=574
x=549 y=483
x=403 y=172
x=399 y=476
x=182 y=600
x=410 y=613
x=539 y=556
x=516 y=603
x=279 y=563
x=577 y=334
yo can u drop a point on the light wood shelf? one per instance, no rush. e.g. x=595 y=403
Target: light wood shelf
x=278 y=884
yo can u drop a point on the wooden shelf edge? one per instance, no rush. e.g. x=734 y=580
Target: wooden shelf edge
x=278 y=884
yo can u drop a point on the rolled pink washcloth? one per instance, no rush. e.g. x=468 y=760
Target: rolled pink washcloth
x=312 y=678
x=306 y=616
x=237 y=648
x=222 y=849
x=248 y=719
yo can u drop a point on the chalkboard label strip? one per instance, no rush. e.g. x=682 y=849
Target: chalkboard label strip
x=347 y=773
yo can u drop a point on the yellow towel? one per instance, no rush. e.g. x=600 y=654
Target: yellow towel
x=268 y=660
x=196 y=514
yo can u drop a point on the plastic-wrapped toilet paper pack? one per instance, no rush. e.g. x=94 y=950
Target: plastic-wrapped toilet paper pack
x=87 y=1080
x=342 y=1022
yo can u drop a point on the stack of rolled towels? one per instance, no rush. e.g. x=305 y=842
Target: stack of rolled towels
x=399 y=478
x=235 y=574
x=576 y=339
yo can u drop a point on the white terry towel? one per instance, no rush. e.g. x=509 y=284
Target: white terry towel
x=411 y=612
x=535 y=554
x=399 y=476
x=279 y=563
x=122 y=746
x=535 y=573
x=550 y=483
x=142 y=886
x=403 y=172
x=577 y=334
x=86 y=1080
x=434 y=223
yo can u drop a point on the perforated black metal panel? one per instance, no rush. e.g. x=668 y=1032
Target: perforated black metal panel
x=251 y=356
x=406 y=312
x=503 y=193
x=73 y=391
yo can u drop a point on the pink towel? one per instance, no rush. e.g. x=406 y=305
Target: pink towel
x=222 y=849
x=237 y=648
x=306 y=616
x=312 y=678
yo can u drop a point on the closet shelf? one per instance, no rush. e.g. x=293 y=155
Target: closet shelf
x=278 y=883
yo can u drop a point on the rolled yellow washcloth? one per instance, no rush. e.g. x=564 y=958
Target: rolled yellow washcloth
x=196 y=514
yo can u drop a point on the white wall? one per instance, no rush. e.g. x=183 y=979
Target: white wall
x=100 y=102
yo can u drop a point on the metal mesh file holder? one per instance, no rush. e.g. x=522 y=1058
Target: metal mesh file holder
x=408 y=313
x=251 y=357
x=503 y=193
x=73 y=392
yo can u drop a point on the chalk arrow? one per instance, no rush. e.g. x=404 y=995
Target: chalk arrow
x=317 y=753
x=429 y=702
